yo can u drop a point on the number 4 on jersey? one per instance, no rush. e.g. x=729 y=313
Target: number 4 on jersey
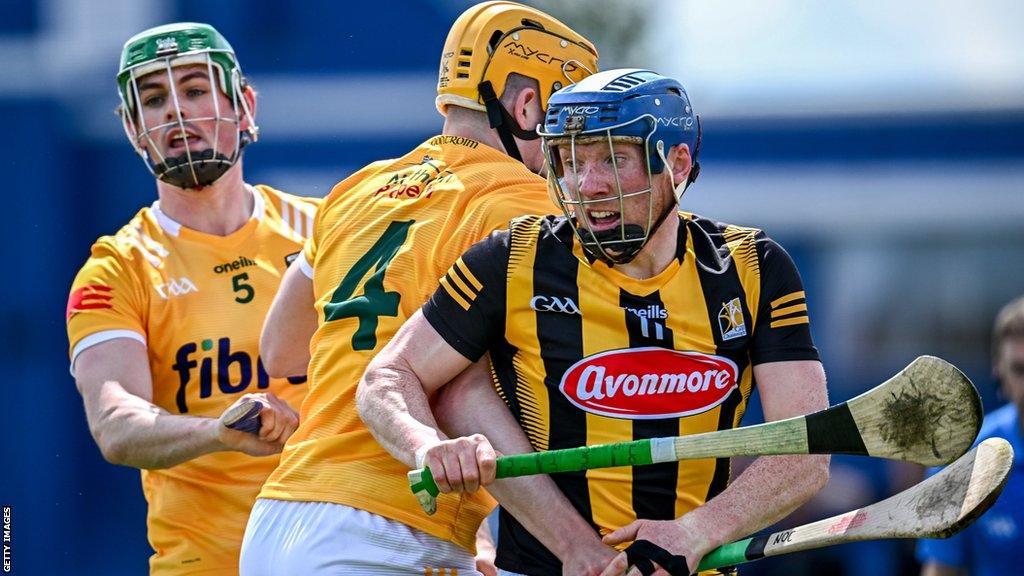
x=374 y=301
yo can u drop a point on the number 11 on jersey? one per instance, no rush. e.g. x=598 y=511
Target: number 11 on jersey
x=374 y=301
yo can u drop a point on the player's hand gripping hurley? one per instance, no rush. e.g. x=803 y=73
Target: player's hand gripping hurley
x=245 y=417
x=929 y=413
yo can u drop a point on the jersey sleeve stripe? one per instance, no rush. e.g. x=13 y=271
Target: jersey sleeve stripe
x=100 y=337
x=789 y=310
x=298 y=218
x=286 y=214
x=302 y=221
x=94 y=305
x=153 y=259
x=461 y=267
x=153 y=245
x=787 y=298
x=790 y=321
x=456 y=278
x=309 y=224
x=454 y=293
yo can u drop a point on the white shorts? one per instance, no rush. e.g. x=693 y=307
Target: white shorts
x=321 y=539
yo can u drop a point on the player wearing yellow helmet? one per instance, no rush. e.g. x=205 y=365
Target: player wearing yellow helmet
x=339 y=503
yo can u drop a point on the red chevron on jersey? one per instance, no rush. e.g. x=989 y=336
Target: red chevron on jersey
x=90 y=297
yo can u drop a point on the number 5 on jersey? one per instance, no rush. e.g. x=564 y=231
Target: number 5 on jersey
x=374 y=301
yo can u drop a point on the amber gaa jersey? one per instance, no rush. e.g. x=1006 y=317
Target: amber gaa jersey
x=381 y=241
x=583 y=354
x=197 y=302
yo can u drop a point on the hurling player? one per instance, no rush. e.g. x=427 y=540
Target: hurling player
x=622 y=319
x=339 y=503
x=164 y=317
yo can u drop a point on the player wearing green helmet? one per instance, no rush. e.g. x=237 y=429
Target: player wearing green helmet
x=187 y=138
x=163 y=319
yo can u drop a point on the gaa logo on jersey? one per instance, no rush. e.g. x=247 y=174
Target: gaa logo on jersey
x=564 y=305
x=175 y=287
x=649 y=383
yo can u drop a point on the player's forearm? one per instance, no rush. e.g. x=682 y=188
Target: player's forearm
x=288 y=327
x=767 y=491
x=485 y=547
x=469 y=405
x=395 y=409
x=134 y=432
x=538 y=504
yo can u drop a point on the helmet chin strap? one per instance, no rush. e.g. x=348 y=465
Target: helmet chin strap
x=629 y=237
x=500 y=119
x=204 y=169
x=632 y=238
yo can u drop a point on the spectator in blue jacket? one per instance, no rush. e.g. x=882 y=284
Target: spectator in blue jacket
x=993 y=544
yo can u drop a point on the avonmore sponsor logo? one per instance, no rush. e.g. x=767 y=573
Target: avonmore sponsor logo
x=649 y=383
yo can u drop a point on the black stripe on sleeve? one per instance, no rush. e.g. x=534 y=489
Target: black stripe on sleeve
x=456 y=270
x=472 y=331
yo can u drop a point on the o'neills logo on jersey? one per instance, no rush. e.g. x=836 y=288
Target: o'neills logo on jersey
x=227 y=267
x=647 y=383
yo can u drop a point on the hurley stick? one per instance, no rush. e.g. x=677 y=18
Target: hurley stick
x=928 y=413
x=244 y=417
x=939 y=507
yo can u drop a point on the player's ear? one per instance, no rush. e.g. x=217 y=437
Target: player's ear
x=249 y=93
x=681 y=161
x=526 y=109
x=128 y=124
x=129 y=128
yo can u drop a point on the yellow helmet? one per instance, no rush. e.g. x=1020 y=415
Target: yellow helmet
x=492 y=39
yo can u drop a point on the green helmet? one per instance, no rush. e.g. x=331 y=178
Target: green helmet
x=161 y=49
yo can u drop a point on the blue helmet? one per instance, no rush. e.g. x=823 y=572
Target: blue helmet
x=628 y=106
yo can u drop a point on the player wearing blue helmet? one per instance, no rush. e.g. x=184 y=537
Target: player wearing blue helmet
x=636 y=107
x=621 y=319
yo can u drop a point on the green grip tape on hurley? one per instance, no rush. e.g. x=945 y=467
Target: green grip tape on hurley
x=725 y=555
x=422 y=484
x=635 y=453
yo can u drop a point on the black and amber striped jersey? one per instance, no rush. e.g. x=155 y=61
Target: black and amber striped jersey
x=583 y=354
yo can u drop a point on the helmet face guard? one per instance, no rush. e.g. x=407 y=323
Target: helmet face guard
x=617 y=107
x=617 y=245
x=157 y=52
